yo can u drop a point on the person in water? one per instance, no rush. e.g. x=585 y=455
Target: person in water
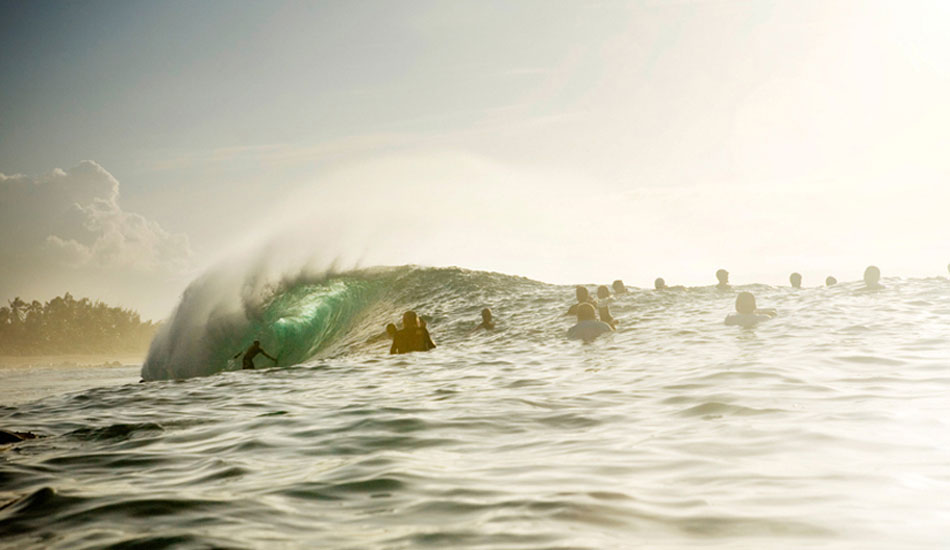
x=619 y=287
x=603 y=306
x=747 y=314
x=795 y=279
x=660 y=284
x=414 y=335
x=872 y=278
x=252 y=352
x=588 y=327
x=487 y=322
x=391 y=332
x=831 y=281
x=723 y=277
x=583 y=297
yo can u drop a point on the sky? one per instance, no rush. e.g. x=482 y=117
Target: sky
x=143 y=142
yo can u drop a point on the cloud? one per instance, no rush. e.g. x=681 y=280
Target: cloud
x=66 y=231
x=73 y=219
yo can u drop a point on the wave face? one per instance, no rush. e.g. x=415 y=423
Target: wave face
x=824 y=428
x=305 y=317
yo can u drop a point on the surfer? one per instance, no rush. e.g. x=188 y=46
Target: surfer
x=619 y=287
x=795 y=279
x=251 y=353
x=414 y=335
x=872 y=278
x=723 y=277
x=660 y=284
x=583 y=297
x=830 y=281
x=747 y=314
x=391 y=332
x=603 y=306
x=487 y=322
x=587 y=327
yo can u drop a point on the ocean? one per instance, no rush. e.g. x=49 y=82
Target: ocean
x=826 y=427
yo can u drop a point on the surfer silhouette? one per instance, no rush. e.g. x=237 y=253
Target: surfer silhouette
x=487 y=322
x=795 y=279
x=583 y=297
x=588 y=327
x=747 y=314
x=660 y=284
x=872 y=278
x=414 y=335
x=723 y=277
x=252 y=352
x=391 y=331
x=619 y=287
x=603 y=306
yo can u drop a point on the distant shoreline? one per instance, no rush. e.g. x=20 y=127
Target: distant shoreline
x=72 y=360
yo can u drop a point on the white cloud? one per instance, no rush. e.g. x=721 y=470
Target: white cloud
x=73 y=219
x=66 y=231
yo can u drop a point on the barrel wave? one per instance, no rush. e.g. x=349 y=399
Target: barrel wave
x=304 y=316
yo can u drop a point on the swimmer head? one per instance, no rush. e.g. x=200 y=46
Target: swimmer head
x=745 y=302
x=603 y=292
x=831 y=281
x=486 y=315
x=796 y=280
x=659 y=284
x=391 y=330
x=583 y=294
x=409 y=319
x=723 y=276
x=619 y=287
x=585 y=312
x=872 y=275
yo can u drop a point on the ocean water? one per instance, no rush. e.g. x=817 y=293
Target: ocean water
x=827 y=427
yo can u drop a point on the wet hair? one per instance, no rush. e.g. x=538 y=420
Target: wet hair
x=409 y=319
x=745 y=302
x=486 y=313
x=619 y=287
x=585 y=312
x=257 y=342
x=795 y=279
x=603 y=291
x=872 y=274
x=830 y=281
x=659 y=283
x=722 y=275
x=582 y=292
x=391 y=329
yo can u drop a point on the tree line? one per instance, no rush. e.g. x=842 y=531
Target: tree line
x=65 y=325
